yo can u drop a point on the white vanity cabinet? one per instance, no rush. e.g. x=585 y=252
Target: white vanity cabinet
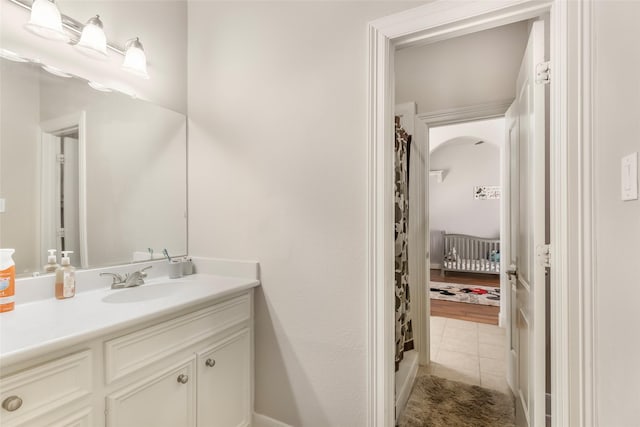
x=190 y=369
x=210 y=383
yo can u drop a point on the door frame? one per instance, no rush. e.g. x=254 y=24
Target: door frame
x=48 y=128
x=573 y=400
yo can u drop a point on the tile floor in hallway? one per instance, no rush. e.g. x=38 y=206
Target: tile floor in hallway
x=469 y=352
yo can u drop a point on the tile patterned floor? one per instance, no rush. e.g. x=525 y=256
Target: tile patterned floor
x=469 y=352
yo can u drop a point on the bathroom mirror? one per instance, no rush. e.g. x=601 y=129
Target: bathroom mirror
x=99 y=173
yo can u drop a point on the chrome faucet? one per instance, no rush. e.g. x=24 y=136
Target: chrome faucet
x=128 y=280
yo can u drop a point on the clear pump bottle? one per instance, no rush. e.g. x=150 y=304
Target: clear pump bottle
x=52 y=265
x=65 y=277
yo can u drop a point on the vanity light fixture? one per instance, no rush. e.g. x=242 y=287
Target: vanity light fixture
x=135 y=60
x=93 y=41
x=46 y=21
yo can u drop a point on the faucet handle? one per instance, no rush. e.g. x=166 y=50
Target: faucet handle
x=142 y=271
x=115 y=277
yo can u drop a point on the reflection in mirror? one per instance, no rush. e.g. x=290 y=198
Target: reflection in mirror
x=100 y=174
x=61 y=226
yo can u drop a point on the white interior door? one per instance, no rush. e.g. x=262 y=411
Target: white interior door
x=527 y=237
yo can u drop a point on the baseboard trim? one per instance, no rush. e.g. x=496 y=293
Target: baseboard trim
x=260 y=420
x=407 y=376
x=436 y=266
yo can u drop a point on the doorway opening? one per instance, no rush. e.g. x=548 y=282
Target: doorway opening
x=571 y=190
x=462 y=159
x=466 y=343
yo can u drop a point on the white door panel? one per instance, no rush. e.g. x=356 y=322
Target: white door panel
x=526 y=133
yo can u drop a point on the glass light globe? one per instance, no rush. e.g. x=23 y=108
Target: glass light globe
x=135 y=60
x=93 y=41
x=46 y=21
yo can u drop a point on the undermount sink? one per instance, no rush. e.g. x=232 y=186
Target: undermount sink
x=141 y=293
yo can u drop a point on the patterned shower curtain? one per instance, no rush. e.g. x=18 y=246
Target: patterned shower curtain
x=404 y=330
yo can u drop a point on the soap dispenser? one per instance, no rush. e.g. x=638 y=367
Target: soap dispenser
x=65 y=277
x=7 y=280
x=52 y=265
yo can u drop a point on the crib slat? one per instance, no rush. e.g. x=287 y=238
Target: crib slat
x=466 y=251
x=475 y=249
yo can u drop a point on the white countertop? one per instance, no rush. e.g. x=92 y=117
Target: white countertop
x=47 y=325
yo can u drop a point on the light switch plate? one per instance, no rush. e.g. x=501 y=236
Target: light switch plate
x=629 y=177
x=2 y=205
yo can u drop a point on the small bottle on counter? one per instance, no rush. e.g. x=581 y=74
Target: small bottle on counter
x=52 y=265
x=187 y=266
x=7 y=280
x=65 y=277
x=175 y=268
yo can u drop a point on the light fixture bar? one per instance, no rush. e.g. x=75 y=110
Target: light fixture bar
x=72 y=25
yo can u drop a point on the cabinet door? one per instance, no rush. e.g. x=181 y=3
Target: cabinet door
x=167 y=399
x=224 y=382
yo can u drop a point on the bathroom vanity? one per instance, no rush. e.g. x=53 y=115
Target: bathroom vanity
x=167 y=353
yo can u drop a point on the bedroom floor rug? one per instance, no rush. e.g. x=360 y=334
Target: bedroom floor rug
x=438 y=402
x=472 y=294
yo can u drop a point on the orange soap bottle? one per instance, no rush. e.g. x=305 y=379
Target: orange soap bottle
x=7 y=280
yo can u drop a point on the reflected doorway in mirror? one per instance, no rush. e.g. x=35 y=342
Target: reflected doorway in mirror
x=63 y=188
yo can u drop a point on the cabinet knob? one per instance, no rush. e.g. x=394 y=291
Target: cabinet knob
x=12 y=403
x=183 y=379
x=210 y=363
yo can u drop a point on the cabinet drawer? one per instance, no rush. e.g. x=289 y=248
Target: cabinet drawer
x=134 y=351
x=45 y=387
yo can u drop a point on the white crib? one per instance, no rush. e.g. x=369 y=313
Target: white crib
x=470 y=254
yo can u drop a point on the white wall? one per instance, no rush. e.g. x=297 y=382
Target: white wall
x=277 y=173
x=160 y=24
x=490 y=131
x=445 y=75
x=19 y=186
x=452 y=207
x=617 y=109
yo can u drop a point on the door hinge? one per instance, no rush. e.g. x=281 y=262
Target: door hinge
x=60 y=232
x=60 y=158
x=544 y=255
x=543 y=73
